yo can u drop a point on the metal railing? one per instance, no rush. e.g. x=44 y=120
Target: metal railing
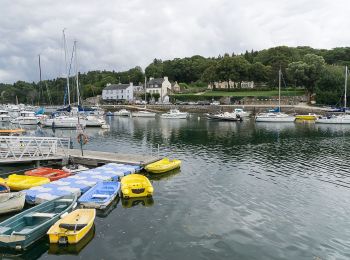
x=20 y=148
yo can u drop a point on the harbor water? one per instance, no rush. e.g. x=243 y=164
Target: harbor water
x=245 y=190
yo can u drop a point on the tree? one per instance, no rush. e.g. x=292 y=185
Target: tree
x=258 y=72
x=330 y=86
x=307 y=72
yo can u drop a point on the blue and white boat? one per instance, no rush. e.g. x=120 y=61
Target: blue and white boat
x=101 y=195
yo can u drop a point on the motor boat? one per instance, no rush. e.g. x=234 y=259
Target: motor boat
x=241 y=112
x=4 y=116
x=174 y=114
x=92 y=120
x=143 y=113
x=26 y=118
x=274 y=117
x=226 y=116
x=122 y=112
x=310 y=116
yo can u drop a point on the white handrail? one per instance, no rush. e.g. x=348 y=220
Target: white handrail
x=19 y=148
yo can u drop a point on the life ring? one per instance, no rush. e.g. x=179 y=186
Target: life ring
x=82 y=138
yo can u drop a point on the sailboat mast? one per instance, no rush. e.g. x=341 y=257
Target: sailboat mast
x=279 y=90
x=145 y=89
x=76 y=72
x=346 y=83
x=39 y=84
x=65 y=59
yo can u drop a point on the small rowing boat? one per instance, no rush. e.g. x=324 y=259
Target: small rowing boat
x=23 y=229
x=23 y=182
x=52 y=174
x=163 y=165
x=11 y=201
x=136 y=185
x=101 y=195
x=73 y=227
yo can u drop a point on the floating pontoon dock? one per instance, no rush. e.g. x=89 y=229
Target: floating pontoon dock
x=22 y=149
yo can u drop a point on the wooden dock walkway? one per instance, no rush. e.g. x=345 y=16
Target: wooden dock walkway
x=96 y=158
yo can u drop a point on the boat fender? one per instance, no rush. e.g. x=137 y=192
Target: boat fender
x=82 y=138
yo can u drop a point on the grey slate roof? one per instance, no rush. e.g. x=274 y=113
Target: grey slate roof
x=117 y=86
x=157 y=81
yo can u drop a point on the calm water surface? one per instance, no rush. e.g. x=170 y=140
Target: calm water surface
x=245 y=191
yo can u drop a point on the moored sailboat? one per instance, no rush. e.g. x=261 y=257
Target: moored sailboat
x=275 y=116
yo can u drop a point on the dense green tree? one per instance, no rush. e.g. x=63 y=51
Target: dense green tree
x=330 y=86
x=258 y=72
x=307 y=72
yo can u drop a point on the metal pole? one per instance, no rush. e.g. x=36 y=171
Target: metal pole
x=65 y=59
x=279 y=90
x=346 y=83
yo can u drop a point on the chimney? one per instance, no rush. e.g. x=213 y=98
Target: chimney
x=131 y=84
x=166 y=78
x=151 y=78
x=108 y=84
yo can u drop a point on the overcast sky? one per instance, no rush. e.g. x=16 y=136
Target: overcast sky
x=118 y=35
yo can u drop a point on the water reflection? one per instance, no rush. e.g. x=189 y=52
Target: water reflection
x=134 y=202
x=105 y=212
x=163 y=176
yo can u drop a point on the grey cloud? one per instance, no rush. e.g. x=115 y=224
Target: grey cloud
x=117 y=35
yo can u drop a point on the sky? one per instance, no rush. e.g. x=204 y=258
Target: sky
x=119 y=35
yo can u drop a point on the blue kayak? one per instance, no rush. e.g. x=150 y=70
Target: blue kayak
x=101 y=195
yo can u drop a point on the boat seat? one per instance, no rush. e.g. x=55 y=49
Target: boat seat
x=65 y=200
x=4 y=230
x=24 y=231
x=76 y=227
x=43 y=215
x=60 y=208
x=99 y=196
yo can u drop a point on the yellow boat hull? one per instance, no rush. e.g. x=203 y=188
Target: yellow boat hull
x=163 y=165
x=75 y=218
x=23 y=182
x=135 y=186
x=306 y=117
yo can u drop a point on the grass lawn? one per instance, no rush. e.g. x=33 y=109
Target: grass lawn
x=266 y=93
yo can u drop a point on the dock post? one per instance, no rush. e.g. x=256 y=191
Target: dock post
x=37 y=164
x=151 y=149
x=158 y=151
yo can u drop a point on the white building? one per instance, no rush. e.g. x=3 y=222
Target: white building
x=162 y=86
x=118 y=92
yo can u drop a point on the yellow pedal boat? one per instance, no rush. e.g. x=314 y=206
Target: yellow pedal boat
x=73 y=227
x=163 y=165
x=23 y=182
x=307 y=117
x=136 y=185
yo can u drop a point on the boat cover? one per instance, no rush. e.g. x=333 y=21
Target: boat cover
x=79 y=183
